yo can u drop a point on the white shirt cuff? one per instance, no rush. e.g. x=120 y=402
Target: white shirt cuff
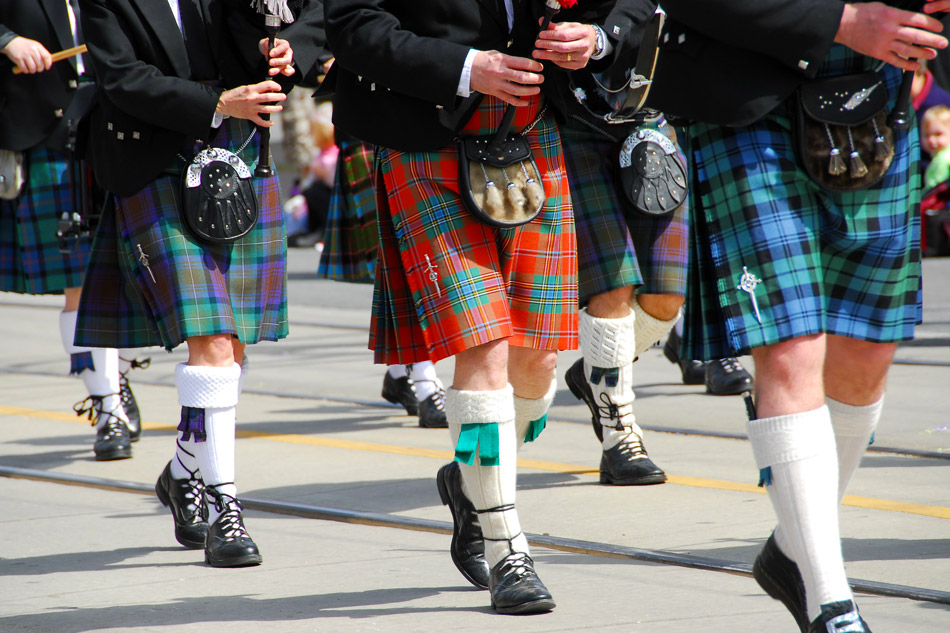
x=465 y=81
x=217 y=120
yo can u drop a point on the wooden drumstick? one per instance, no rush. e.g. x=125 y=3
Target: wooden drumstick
x=61 y=55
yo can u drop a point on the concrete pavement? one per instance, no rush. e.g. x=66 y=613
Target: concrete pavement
x=314 y=433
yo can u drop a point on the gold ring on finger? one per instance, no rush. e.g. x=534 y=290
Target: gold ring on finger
x=568 y=57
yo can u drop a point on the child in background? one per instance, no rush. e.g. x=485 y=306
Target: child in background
x=935 y=140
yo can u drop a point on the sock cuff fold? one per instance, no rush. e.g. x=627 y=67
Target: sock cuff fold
x=205 y=387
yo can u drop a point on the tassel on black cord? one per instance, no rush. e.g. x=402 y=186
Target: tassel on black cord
x=765 y=474
x=858 y=168
x=836 y=163
x=193 y=423
x=880 y=149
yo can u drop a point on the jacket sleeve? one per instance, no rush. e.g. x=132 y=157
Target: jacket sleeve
x=371 y=42
x=6 y=35
x=796 y=33
x=139 y=88
x=622 y=21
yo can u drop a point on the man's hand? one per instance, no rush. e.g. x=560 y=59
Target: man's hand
x=506 y=77
x=567 y=44
x=892 y=35
x=29 y=55
x=249 y=102
x=281 y=59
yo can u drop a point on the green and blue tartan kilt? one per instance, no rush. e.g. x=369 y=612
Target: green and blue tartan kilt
x=150 y=282
x=30 y=260
x=618 y=246
x=814 y=261
x=351 y=240
x=445 y=282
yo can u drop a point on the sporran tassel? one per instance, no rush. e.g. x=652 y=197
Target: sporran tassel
x=836 y=163
x=515 y=195
x=493 y=199
x=880 y=149
x=535 y=192
x=858 y=168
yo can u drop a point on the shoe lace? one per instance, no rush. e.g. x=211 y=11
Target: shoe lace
x=631 y=446
x=616 y=413
x=730 y=364
x=91 y=407
x=438 y=396
x=518 y=564
x=125 y=392
x=232 y=525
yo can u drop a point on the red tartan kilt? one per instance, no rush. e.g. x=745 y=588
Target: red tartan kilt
x=446 y=282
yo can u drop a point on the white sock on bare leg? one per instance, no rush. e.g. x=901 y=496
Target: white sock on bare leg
x=797 y=457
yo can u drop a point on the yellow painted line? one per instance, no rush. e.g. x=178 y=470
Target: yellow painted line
x=886 y=505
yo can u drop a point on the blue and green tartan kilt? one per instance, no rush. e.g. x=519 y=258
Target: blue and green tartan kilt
x=30 y=260
x=150 y=282
x=351 y=240
x=616 y=245
x=813 y=261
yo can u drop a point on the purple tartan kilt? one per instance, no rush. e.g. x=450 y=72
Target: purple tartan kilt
x=616 y=245
x=30 y=261
x=150 y=283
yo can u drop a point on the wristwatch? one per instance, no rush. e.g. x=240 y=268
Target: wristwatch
x=600 y=46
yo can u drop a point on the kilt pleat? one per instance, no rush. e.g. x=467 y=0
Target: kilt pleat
x=616 y=245
x=30 y=260
x=351 y=239
x=844 y=263
x=151 y=283
x=446 y=282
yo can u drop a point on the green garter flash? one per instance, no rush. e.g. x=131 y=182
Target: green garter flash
x=481 y=438
x=535 y=428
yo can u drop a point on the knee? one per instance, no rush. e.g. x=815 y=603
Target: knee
x=662 y=307
x=613 y=304
x=789 y=362
x=214 y=351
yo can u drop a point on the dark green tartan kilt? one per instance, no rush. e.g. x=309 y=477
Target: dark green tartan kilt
x=774 y=257
x=150 y=282
x=616 y=245
x=351 y=239
x=30 y=260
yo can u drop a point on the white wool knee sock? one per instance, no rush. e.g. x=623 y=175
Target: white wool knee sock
x=491 y=488
x=424 y=379
x=398 y=371
x=649 y=329
x=854 y=428
x=101 y=374
x=800 y=468
x=212 y=394
x=608 y=349
x=531 y=415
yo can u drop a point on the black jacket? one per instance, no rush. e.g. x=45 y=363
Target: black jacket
x=32 y=106
x=148 y=104
x=732 y=61
x=398 y=62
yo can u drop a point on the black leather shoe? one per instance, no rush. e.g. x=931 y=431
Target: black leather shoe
x=727 y=377
x=627 y=464
x=840 y=616
x=112 y=438
x=432 y=411
x=693 y=371
x=577 y=383
x=228 y=543
x=129 y=404
x=779 y=576
x=400 y=391
x=468 y=547
x=516 y=588
x=131 y=408
x=185 y=498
